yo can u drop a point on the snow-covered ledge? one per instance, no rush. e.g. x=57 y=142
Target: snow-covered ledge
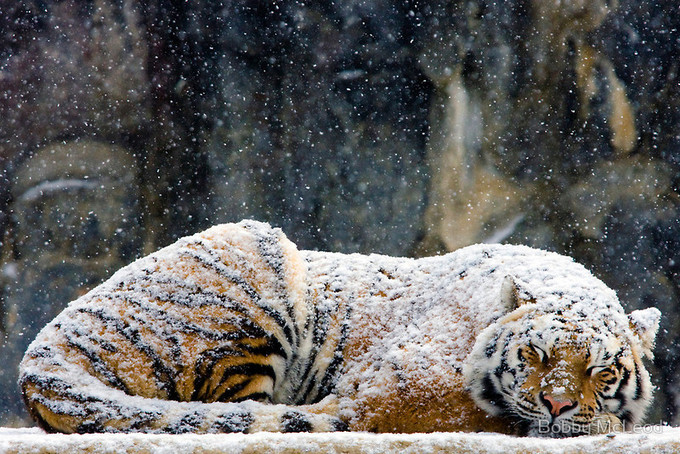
x=651 y=438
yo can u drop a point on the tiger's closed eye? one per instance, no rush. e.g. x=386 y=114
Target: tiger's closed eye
x=604 y=372
x=532 y=352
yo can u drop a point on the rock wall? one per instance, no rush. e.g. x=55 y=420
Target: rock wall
x=405 y=128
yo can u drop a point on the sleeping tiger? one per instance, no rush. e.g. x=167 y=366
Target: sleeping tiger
x=235 y=330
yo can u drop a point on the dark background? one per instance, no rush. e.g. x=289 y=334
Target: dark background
x=398 y=127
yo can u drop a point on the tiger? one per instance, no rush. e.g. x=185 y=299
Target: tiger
x=236 y=330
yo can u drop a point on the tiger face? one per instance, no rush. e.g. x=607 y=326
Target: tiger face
x=559 y=372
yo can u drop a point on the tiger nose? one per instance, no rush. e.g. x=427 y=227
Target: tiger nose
x=556 y=407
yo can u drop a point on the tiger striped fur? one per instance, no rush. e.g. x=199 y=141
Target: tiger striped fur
x=235 y=330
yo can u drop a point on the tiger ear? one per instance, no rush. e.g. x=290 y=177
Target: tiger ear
x=645 y=324
x=510 y=294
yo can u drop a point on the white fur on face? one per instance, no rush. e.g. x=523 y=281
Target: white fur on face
x=496 y=370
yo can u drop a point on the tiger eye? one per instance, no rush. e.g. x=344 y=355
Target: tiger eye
x=608 y=376
x=531 y=353
x=526 y=353
x=542 y=354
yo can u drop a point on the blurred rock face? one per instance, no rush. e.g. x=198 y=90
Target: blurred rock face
x=75 y=220
x=394 y=127
x=323 y=115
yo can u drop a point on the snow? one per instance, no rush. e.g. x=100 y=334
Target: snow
x=658 y=439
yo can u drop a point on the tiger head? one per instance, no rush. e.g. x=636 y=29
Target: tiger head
x=559 y=370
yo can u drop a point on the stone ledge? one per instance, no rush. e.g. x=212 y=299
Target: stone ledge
x=650 y=439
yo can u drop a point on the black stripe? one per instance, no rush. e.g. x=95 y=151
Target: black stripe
x=24 y=381
x=622 y=384
x=318 y=389
x=209 y=359
x=638 y=382
x=271 y=348
x=228 y=394
x=308 y=397
x=165 y=287
x=133 y=296
x=616 y=356
x=320 y=319
x=172 y=337
x=338 y=425
x=56 y=406
x=243 y=322
x=269 y=246
x=235 y=422
x=250 y=371
x=306 y=377
x=503 y=367
x=223 y=271
x=90 y=427
x=182 y=325
x=75 y=408
x=189 y=423
x=164 y=376
x=327 y=383
x=40 y=351
x=162 y=287
x=93 y=411
x=80 y=403
x=491 y=347
x=96 y=362
x=205 y=364
x=491 y=394
x=610 y=381
x=144 y=419
x=294 y=421
x=47 y=383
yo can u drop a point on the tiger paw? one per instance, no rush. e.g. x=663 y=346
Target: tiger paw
x=605 y=423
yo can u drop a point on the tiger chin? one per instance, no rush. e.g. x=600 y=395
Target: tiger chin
x=236 y=330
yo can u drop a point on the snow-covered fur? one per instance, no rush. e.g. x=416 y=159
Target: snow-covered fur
x=564 y=367
x=235 y=330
